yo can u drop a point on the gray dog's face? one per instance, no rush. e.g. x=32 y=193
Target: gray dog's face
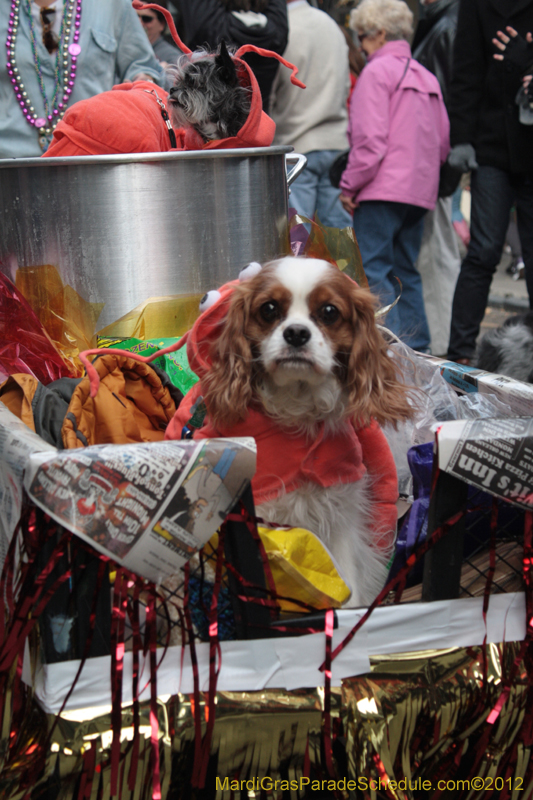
x=207 y=95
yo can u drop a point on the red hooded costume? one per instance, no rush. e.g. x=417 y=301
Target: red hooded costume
x=128 y=119
x=286 y=460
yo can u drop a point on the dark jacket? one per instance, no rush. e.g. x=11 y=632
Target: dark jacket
x=482 y=104
x=207 y=22
x=433 y=42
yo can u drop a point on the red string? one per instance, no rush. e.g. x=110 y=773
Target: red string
x=326 y=716
x=89 y=763
x=87 y=648
x=151 y=623
x=214 y=657
x=138 y=6
x=94 y=378
x=195 y=702
x=133 y=613
x=488 y=585
x=120 y=600
x=25 y=616
x=437 y=534
x=251 y=48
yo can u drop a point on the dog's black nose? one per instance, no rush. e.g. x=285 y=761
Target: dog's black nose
x=297 y=335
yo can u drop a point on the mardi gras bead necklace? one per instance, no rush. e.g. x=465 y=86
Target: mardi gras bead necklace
x=65 y=72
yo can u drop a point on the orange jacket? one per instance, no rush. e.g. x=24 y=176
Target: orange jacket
x=132 y=405
x=128 y=119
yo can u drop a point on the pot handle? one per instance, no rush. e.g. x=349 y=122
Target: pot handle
x=299 y=162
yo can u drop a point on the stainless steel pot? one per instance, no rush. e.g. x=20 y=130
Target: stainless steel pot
x=123 y=228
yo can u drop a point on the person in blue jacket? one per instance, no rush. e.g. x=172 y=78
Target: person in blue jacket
x=59 y=52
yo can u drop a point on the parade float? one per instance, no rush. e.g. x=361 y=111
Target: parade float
x=156 y=646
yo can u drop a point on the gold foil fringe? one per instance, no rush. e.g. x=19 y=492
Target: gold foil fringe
x=422 y=714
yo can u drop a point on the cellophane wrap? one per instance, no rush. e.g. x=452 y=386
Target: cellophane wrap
x=66 y=316
x=336 y=245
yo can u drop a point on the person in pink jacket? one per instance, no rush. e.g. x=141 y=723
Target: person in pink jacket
x=399 y=137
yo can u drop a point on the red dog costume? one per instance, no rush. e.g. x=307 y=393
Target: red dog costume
x=286 y=460
x=128 y=118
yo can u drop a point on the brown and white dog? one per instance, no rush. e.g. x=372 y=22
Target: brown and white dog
x=291 y=355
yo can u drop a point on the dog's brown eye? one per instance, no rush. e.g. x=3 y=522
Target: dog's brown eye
x=329 y=314
x=270 y=311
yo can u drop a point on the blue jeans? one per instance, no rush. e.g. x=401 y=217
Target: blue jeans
x=493 y=193
x=457 y=214
x=389 y=237
x=312 y=191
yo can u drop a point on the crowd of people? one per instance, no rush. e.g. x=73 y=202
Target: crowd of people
x=392 y=117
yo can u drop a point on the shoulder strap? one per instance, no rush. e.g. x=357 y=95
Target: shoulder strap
x=403 y=74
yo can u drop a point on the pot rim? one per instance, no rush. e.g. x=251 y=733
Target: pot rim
x=140 y=158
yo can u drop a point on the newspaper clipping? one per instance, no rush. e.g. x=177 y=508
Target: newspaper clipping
x=17 y=442
x=494 y=454
x=148 y=506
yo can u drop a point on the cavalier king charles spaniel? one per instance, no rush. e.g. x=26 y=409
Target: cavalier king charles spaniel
x=291 y=354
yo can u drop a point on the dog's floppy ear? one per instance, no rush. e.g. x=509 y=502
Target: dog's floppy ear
x=371 y=378
x=227 y=386
x=225 y=66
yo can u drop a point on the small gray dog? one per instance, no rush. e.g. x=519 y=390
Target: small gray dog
x=207 y=95
x=508 y=350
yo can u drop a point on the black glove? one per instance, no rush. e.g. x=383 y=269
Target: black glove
x=519 y=53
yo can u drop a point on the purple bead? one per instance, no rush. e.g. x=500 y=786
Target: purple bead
x=56 y=112
x=61 y=105
x=10 y=72
x=13 y=80
x=50 y=116
x=19 y=96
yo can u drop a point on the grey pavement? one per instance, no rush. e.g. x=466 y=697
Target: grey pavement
x=506 y=293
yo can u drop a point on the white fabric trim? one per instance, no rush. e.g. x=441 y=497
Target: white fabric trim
x=292 y=663
x=251 y=19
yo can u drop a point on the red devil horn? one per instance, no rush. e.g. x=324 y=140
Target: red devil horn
x=138 y=6
x=94 y=378
x=251 y=48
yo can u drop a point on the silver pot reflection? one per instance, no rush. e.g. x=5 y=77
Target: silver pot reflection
x=120 y=229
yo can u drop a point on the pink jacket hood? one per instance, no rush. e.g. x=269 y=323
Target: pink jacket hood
x=399 y=134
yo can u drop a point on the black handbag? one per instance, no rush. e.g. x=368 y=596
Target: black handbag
x=337 y=168
x=449 y=180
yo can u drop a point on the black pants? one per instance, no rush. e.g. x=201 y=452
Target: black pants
x=493 y=193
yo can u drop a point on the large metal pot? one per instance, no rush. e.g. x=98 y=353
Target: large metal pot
x=123 y=228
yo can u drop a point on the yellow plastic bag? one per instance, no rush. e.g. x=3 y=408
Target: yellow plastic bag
x=303 y=569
